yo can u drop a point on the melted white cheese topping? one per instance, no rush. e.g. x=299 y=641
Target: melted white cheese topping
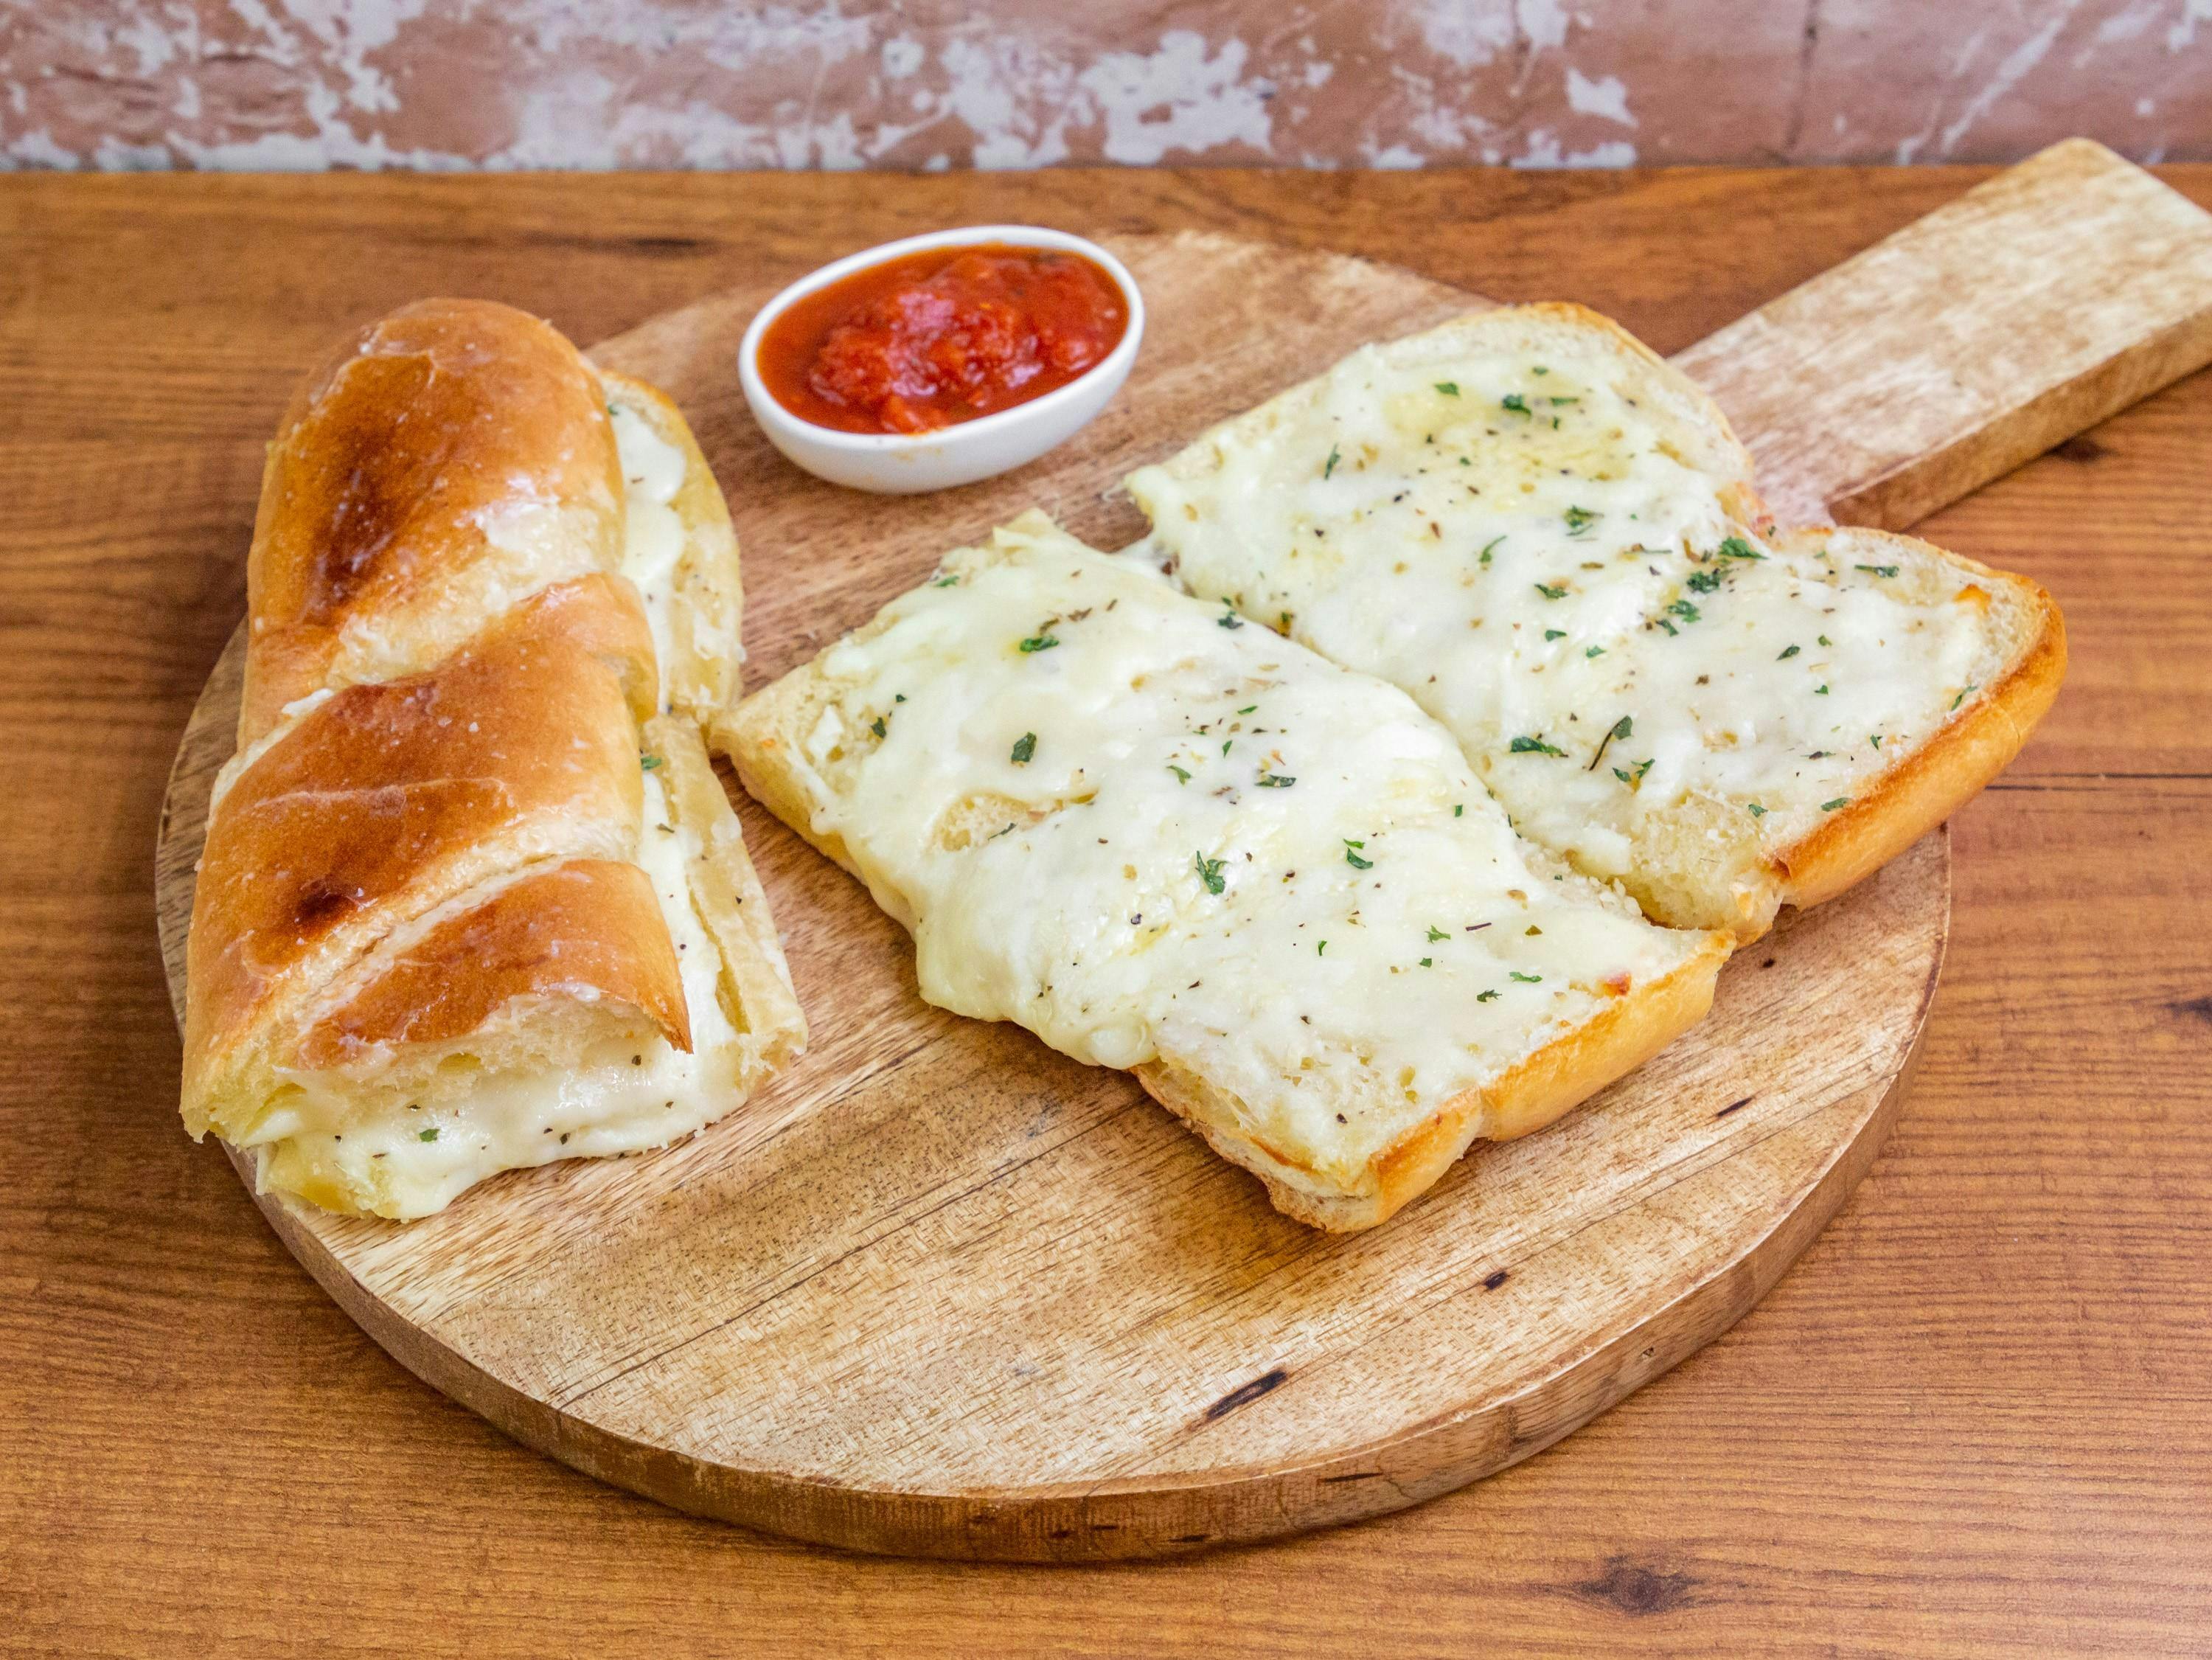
x=652 y=547
x=1157 y=832
x=1518 y=545
x=624 y=1097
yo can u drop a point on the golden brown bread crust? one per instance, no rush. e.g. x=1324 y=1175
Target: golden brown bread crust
x=1542 y=1088
x=599 y=614
x=381 y=524
x=588 y=924
x=1930 y=783
x=386 y=800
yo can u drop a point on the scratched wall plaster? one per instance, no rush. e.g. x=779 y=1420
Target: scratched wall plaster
x=296 y=84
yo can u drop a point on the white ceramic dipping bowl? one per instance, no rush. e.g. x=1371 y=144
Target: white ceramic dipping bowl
x=902 y=464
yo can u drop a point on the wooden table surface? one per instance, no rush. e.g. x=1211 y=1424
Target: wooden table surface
x=1977 y=1417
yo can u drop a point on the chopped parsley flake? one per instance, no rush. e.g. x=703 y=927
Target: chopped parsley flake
x=1579 y=519
x=1458 y=807
x=1595 y=651
x=1685 y=610
x=1551 y=593
x=1276 y=781
x=1024 y=747
x=1788 y=651
x=429 y=1134
x=1352 y=855
x=1449 y=388
x=1820 y=690
x=946 y=583
x=1703 y=582
x=1038 y=642
x=1527 y=979
x=1513 y=401
x=1484 y=558
x=1247 y=709
x=1736 y=548
x=1840 y=801
x=1877 y=570
x=1825 y=640
x=878 y=728
x=1181 y=777
x=1961 y=697
x=1437 y=933
x=650 y=762
x=1620 y=728
x=1555 y=634
x=1229 y=618
x=1329 y=465
x=1525 y=745
x=1755 y=810
x=1209 y=872
x=1428 y=962
x=1485 y=997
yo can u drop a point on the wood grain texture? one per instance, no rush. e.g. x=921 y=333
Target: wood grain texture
x=940 y=1291
x=1973 y=1419
x=2041 y=302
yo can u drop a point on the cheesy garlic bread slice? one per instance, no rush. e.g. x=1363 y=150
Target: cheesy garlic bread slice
x=1164 y=840
x=473 y=898
x=1551 y=540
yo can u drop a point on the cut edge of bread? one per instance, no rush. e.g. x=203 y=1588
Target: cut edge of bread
x=726 y=891
x=708 y=619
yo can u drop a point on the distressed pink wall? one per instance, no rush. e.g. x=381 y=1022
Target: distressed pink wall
x=934 y=83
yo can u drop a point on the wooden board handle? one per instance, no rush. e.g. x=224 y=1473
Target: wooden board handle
x=2040 y=303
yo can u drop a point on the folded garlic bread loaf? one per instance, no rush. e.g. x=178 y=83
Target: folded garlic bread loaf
x=471 y=897
x=1166 y=841
x=1551 y=541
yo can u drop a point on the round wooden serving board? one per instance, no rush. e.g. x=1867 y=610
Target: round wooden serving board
x=940 y=1291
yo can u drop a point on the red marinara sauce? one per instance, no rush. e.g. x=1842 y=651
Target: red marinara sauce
x=930 y=339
